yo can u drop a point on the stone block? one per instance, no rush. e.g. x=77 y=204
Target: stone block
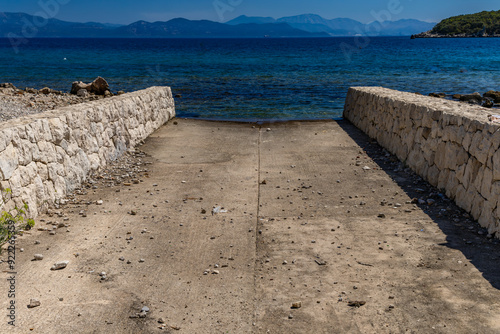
x=486 y=183
x=433 y=175
x=47 y=152
x=496 y=165
x=471 y=172
x=480 y=146
x=9 y=162
x=443 y=179
x=477 y=205
x=464 y=198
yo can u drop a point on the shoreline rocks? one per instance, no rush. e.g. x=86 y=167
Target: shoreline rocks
x=430 y=34
x=98 y=87
x=16 y=102
x=490 y=99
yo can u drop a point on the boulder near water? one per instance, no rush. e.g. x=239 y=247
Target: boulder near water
x=494 y=95
x=78 y=85
x=98 y=87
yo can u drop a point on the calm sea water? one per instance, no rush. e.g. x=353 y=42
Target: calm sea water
x=258 y=78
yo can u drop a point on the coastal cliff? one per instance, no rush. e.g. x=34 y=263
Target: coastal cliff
x=484 y=24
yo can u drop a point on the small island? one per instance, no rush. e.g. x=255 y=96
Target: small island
x=483 y=24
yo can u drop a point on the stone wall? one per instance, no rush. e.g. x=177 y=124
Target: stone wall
x=45 y=156
x=452 y=145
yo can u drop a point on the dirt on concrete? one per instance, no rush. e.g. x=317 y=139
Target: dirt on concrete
x=296 y=227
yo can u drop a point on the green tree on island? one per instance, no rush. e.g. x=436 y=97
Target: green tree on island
x=484 y=23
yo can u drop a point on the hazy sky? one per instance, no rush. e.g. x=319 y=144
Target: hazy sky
x=128 y=11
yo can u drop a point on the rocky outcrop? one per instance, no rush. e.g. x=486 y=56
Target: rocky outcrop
x=98 y=87
x=78 y=86
x=493 y=95
x=45 y=156
x=430 y=34
x=454 y=146
x=486 y=100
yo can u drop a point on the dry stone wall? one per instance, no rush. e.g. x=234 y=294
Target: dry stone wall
x=452 y=145
x=45 y=156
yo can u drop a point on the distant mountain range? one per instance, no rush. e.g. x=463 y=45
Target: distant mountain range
x=309 y=25
x=342 y=26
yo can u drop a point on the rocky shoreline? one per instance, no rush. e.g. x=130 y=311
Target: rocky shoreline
x=490 y=99
x=429 y=34
x=16 y=102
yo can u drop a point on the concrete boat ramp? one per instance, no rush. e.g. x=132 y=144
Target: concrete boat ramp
x=219 y=227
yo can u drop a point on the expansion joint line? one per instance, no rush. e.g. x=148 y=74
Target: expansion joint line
x=256 y=230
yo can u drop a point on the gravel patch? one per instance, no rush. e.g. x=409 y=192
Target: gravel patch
x=16 y=103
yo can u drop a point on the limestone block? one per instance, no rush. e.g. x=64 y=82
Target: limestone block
x=414 y=113
x=61 y=155
x=487 y=181
x=76 y=118
x=5 y=195
x=487 y=218
x=74 y=177
x=480 y=146
x=496 y=165
x=39 y=189
x=467 y=140
x=58 y=129
x=18 y=133
x=9 y=161
x=396 y=125
x=452 y=185
x=28 y=173
x=471 y=172
x=426 y=117
x=443 y=179
x=34 y=131
x=95 y=161
x=89 y=143
x=456 y=134
x=24 y=152
x=454 y=156
x=415 y=157
x=6 y=135
x=3 y=142
x=28 y=197
x=47 y=152
x=49 y=190
x=15 y=183
x=440 y=157
x=429 y=151
x=436 y=130
x=82 y=160
x=477 y=205
x=464 y=198
x=43 y=172
x=433 y=175
x=59 y=188
x=401 y=152
x=477 y=180
x=55 y=170
x=450 y=120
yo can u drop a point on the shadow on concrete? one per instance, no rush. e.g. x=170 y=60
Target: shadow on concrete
x=462 y=232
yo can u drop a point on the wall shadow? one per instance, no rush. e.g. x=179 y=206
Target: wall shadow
x=462 y=232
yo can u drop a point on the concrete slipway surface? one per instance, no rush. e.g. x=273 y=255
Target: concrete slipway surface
x=312 y=213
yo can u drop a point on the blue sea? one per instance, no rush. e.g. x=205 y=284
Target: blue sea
x=249 y=79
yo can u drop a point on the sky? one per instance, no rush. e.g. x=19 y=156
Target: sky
x=128 y=11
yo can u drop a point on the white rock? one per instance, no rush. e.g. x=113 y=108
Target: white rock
x=60 y=265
